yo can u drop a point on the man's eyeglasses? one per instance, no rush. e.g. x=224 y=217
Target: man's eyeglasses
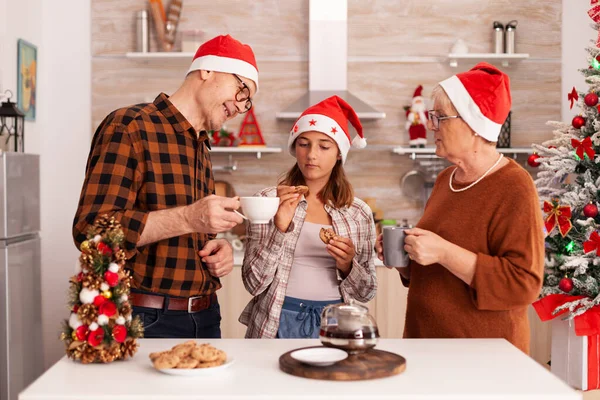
x=243 y=94
x=435 y=119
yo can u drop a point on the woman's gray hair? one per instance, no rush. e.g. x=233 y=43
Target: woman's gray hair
x=439 y=96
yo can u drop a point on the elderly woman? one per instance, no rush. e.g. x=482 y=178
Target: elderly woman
x=477 y=252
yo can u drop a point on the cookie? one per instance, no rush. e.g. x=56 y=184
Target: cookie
x=326 y=234
x=187 y=363
x=166 y=361
x=205 y=353
x=154 y=356
x=210 y=364
x=301 y=190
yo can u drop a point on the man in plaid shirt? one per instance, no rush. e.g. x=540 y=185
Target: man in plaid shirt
x=149 y=167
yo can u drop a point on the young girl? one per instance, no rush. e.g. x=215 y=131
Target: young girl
x=287 y=267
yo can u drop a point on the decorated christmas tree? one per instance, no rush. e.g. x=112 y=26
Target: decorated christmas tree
x=569 y=186
x=100 y=327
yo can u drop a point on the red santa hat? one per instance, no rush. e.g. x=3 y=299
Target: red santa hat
x=225 y=54
x=418 y=93
x=482 y=98
x=331 y=117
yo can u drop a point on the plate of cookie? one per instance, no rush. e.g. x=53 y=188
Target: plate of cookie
x=190 y=359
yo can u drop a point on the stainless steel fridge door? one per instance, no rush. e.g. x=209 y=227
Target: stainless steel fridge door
x=21 y=355
x=19 y=194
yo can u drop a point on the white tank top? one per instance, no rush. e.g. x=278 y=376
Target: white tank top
x=313 y=275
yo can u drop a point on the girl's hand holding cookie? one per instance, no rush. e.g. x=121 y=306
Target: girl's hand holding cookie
x=342 y=250
x=288 y=201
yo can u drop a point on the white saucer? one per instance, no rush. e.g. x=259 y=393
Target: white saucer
x=319 y=356
x=197 y=371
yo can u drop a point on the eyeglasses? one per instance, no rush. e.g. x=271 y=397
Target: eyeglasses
x=243 y=94
x=435 y=119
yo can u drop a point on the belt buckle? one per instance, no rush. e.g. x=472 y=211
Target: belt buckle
x=190 y=299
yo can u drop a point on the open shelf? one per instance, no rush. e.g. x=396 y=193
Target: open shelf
x=429 y=152
x=504 y=59
x=258 y=150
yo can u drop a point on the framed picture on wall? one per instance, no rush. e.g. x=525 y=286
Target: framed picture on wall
x=26 y=78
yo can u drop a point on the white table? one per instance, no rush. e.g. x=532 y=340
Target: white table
x=458 y=369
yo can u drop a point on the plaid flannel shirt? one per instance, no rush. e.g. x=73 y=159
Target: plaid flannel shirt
x=145 y=158
x=270 y=254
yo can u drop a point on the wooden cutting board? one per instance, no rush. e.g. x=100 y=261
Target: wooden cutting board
x=371 y=364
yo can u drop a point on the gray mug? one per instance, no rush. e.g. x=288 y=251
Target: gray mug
x=394 y=254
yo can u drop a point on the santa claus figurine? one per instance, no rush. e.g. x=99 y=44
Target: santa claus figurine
x=416 y=120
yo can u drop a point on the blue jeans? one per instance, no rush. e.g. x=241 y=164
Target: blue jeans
x=301 y=319
x=180 y=324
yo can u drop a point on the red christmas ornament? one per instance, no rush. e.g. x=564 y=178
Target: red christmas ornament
x=96 y=337
x=551 y=147
x=590 y=210
x=578 y=122
x=76 y=308
x=98 y=300
x=104 y=249
x=565 y=284
x=107 y=308
x=80 y=277
x=532 y=160
x=112 y=278
x=591 y=99
x=119 y=332
x=82 y=332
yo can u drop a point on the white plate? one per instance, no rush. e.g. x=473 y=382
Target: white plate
x=319 y=356
x=197 y=371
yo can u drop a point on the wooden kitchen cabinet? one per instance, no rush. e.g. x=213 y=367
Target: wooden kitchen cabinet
x=388 y=308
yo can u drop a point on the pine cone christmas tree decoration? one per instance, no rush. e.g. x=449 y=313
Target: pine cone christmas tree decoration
x=103 y=286
x=129 y=348
x=126 y=309
x=87 y=313
x=88 y=355
x=91 y=281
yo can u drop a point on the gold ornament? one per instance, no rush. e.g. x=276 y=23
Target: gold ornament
x=107 y=294
x=74 y=335
x=85 y=246
x=88 y=355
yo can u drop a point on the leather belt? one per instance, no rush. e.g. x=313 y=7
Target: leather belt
x=189 y=304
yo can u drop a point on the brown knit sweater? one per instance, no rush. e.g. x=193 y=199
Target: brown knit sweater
x=500 y=220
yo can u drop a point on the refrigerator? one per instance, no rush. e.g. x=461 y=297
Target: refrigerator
x=21 y=358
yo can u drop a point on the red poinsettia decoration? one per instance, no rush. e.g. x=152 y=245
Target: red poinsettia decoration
x=119 y=332
x=557 y=215
x=104 y=249
x=111 y=278
x=107 y=308
x=96 y=337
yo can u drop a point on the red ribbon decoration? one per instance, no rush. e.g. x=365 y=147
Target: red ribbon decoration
x=584 y=146
x=558 y=215
x=592 y=244
x=572 y=97
x=594 y=14
x=586 y=324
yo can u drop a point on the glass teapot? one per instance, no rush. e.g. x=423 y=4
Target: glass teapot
x=348 y=326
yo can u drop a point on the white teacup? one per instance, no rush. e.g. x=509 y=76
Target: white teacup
x=259 y=210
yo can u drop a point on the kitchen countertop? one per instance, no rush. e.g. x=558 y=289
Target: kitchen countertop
x=436 y=369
